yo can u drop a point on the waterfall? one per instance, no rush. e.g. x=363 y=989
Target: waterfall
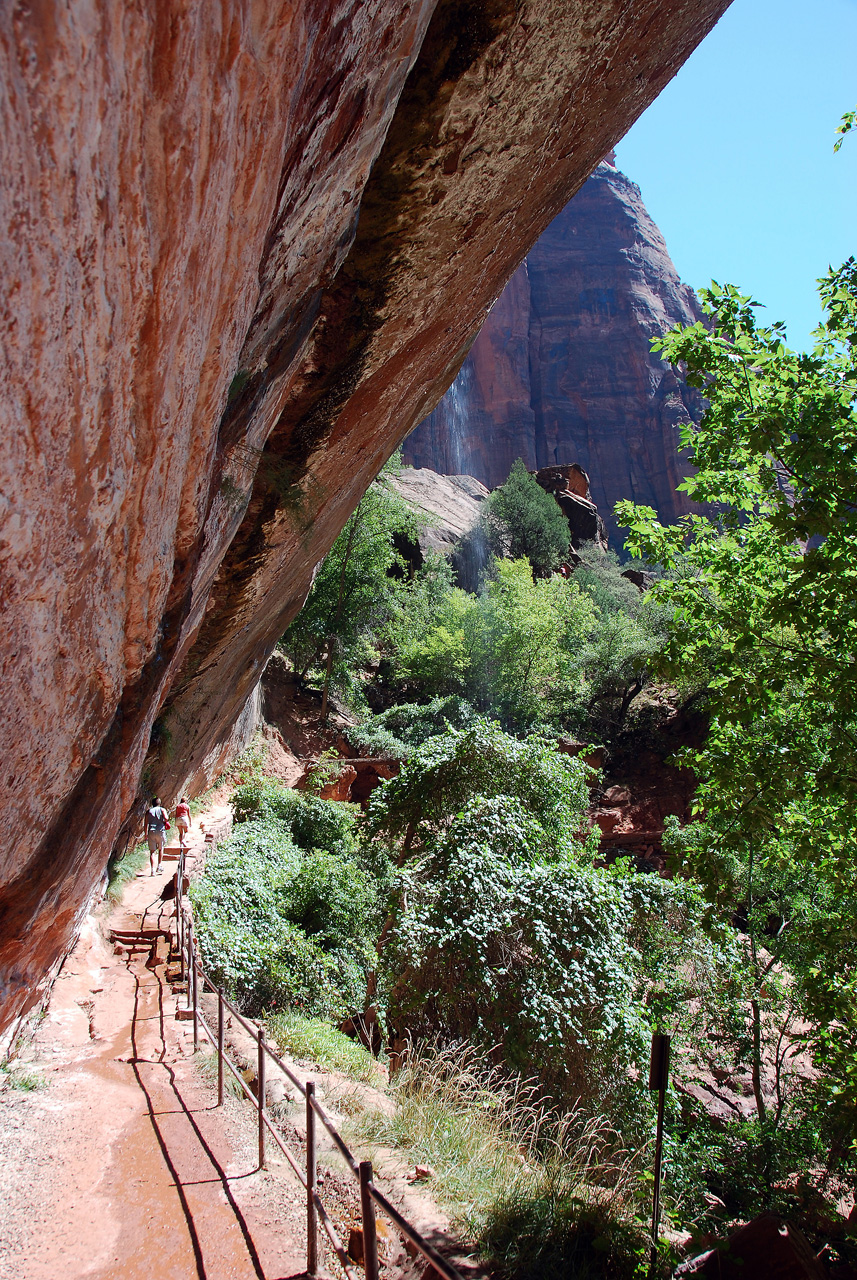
x=451 y=422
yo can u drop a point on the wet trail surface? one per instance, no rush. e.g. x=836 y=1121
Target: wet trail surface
x=123 y=1166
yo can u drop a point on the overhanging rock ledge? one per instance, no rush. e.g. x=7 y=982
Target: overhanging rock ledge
x=247 y=248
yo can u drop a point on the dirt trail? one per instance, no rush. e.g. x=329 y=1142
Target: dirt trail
x=123 y=1166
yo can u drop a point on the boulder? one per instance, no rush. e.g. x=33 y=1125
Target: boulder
x=569 y=485
x=768 y=1248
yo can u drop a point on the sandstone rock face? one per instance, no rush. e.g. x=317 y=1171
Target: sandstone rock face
x=641 y=787
x=569 y=485
x=562 y=367
x=206 y=359
x=452 y=505
x=154 y=170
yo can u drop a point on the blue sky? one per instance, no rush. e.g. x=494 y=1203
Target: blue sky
x=735 y=158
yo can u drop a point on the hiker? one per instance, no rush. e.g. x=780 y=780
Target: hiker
x=183 y=820
x=157 y=826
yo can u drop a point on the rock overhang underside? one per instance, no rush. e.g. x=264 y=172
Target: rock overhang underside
x=248 y=248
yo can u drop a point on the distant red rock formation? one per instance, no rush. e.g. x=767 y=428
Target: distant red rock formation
x=562 y=367
x=570 y=487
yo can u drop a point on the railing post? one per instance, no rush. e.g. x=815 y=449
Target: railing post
x=181 y=943
x=260 y=1077
x=180 y=913
x=659 y=1067
x=311 y=1225
x=193 y=983
x=220 y=1028
x=370 y=1237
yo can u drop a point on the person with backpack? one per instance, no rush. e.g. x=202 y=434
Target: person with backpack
x=157 y=826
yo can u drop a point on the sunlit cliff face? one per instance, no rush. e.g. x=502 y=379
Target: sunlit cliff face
x=247 y=247
x=563 y=369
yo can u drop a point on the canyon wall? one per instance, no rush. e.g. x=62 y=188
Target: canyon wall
x=562 y=370
x=247 y=248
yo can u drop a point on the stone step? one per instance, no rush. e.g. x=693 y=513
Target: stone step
x=137 y=935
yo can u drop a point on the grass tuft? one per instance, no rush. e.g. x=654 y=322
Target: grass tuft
x=540 y=1193
x=206 y=1061
x=314 y=1040
x=25 y=1079
x=121 y=870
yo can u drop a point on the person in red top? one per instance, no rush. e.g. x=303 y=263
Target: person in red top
x=183 y=819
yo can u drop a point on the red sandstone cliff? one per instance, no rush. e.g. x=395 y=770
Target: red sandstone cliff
x=206 y=358
x=562 y=369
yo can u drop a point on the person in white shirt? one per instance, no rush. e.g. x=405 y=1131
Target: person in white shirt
x=157 y=826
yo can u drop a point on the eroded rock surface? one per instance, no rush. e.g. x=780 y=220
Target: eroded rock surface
x=206 y=358
x=562 y=367
x=569 y=486
x=452 y=505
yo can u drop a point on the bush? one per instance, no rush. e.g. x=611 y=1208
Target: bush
x=398 y=730
x=331 y=900
x=527 y=956
x=480 y=761
x=311 y=822
x=554 y=1234
x=280 y=926
x=314 y=1040
x=122 y=868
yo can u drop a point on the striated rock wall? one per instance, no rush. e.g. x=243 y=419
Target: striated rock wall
x=206 y=359
x=157 y=162
x=562 y=368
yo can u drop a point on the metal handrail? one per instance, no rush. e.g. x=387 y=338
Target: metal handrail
x=362 y=1170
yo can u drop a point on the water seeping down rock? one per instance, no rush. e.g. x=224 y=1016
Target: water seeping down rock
x=562 y=369
x=206 y=356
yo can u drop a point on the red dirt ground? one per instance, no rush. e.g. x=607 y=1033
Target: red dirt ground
x=123 y=1167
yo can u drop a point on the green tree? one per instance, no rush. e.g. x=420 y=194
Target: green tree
x=630 y=631
x=527 y=643
x=764 y=602
x=354 y=592
x=763 y=593
x=426 y=638
x=522 y=520
x=507 y=933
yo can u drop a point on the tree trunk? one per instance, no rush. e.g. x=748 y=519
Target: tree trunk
x=761 y=1109
x=327 y=671
x=755 y=1010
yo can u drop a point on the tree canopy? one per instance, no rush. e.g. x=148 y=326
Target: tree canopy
x=523 y=520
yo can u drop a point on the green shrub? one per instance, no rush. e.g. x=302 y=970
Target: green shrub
x=331 y=900
x=122 y=869
x=551 y=1233
x=281 y=926
x=396 y=731
x=311 y=822
x=314 y=1040
x=533 y=957
x=462 y=765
